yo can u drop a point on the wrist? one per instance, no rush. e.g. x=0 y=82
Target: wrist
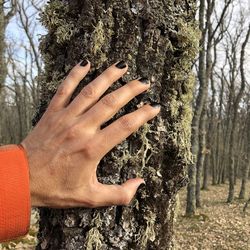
x=35 y=199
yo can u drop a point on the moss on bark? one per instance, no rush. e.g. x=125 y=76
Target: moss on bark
x=158 y=39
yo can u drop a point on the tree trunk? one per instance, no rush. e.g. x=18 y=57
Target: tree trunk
x=245 y=174
x=219 y=139
x=206 y=172
x=235 y=117
x=246 y=167
x=157 y=39
x=210 y=157
x=201 y=155
x=201 y=98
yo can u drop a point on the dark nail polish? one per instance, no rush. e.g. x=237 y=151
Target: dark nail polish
x=144 y=80
x=121 y=65
x=155 y=105
x=84 y=62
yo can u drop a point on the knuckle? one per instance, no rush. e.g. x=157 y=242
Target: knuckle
x=94 y=198
x=55 y=121
x=90 y=151
x=89 y=92
x=110 y=100
x=126 y=123
x=62 y=91
x=125 y=199
x=73 y=132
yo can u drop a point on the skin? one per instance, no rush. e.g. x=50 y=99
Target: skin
x=65 y=147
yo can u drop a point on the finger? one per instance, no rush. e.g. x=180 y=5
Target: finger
x=123 y=127
x=67 y=87
x=90 y=94
x=110 y=104
x=109 y=195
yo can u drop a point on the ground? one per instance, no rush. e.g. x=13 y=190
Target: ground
x=217 y=225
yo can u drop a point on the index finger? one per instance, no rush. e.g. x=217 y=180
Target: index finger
x=69 y=84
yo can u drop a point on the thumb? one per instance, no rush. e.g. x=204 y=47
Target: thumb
x=118 y=194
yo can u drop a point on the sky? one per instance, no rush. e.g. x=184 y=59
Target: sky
x=17 y=39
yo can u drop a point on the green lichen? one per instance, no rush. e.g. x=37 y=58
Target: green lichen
x=149 y=233
x=65 y=32
x=54 y=14
x=101 y=36
x=188 y=40
x=146 y=145
x=54 y=19
x=98 y=37
x=94 y=238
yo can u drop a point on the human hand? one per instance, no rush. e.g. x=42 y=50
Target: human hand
x=65 y=147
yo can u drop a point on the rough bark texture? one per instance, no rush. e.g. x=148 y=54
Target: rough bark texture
x=201 y=155
x=230 y=197
x=210 y=160
x=158 y=39
x=246 y=167
x=198 y=107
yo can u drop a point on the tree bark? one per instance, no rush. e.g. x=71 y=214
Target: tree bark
x=242 y=194
x=246 y=159
x=210 y=159
x=201 y=97
x=230 y=197
x=157 y=39
x=219 y=138
x=201 y=155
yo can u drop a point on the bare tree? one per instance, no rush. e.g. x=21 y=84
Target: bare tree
x=206 y=10
x=7 y=11
x=20 y=89
x=234 y=119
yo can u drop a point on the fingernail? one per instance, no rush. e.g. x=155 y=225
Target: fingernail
x=84 y=62
x=121 y=65
x=155 y=105
x=144 y=80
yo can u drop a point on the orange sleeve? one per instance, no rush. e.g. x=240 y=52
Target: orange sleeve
x=15 y=206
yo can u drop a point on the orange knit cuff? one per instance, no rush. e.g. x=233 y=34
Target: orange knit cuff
x=15 y=205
